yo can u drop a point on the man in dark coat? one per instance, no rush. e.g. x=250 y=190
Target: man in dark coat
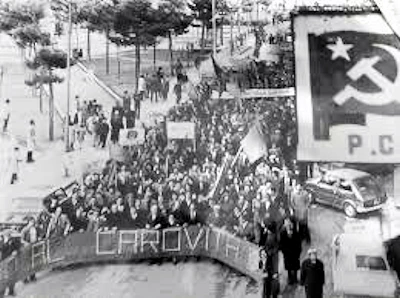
x=10 y=246
x=104 y=129
x=270 y=276
x=194 y=218
x=155 y=219
x=116 y=126
x=312 y=275
x=290 y=245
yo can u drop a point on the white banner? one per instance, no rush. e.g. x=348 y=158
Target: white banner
x=180 y=130
x=391 y=12
x=267 y=93
x=131 y=136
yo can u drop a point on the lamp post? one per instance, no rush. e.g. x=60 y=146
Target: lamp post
x=214 y=27
x=67 y=143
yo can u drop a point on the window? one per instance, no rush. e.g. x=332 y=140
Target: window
x=368 y=187
x=371 y=262
x=344 y=185
x=329 y=180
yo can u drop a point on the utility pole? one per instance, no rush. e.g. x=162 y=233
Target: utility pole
x=231 y=33
x=67 y=143
x=214 y=27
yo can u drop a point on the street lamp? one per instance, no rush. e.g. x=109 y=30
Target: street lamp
x=214 y=27
x=67 y=143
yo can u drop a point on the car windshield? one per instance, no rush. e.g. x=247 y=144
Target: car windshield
x=371 y=263
x=368 y=186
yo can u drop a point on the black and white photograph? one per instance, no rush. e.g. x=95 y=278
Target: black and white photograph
x=200 y=148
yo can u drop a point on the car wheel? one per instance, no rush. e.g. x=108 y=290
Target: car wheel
x=349 y=210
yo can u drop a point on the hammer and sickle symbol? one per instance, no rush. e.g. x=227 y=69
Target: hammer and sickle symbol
x=365 y=67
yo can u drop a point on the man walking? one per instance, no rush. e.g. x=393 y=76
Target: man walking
x=270 y=276
x=290 y=245
x=126 y=101
x=104 y=129
x=138 y=98
x=5 y=112
x=299 y=203
x=31 y=141
x=312 y=275
x=15 y=160
x=142 y=85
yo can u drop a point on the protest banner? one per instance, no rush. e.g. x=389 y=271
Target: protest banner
x=181 y=130
x=130 y=245
x=267 y=93
x=131 y=136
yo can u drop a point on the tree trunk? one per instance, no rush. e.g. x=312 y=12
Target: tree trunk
x=171 y=55
x=154 y=55
x=51 y=112
x=107 y=51
x=89 y=56
x=222 y=33
x=203 y=28
x=41 y=99
x=137 y=64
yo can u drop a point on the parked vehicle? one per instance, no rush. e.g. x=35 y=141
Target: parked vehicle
x=350 y=190
x=360 y=267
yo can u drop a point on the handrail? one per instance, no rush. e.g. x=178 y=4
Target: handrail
x=126 y=245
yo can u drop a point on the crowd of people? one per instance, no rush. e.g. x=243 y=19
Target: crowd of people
x=167 y=183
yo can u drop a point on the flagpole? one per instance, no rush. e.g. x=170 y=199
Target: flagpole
x=240 y=150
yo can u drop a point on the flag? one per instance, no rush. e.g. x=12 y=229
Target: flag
x=217 y=69
x=222 y=173
x=352 y=74
x=254 y=144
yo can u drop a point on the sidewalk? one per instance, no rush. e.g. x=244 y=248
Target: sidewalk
x=47 y=172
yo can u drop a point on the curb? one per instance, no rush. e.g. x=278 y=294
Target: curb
x=99 y=82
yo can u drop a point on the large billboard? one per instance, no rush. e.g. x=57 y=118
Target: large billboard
x=347 y=88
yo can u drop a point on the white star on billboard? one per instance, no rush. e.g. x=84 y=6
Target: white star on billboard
x=339 y=49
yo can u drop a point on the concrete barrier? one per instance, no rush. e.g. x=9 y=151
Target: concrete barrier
x=128 y=245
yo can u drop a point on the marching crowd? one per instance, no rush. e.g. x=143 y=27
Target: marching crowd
x=166 y=183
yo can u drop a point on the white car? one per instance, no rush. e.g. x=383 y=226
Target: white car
x=360 y=268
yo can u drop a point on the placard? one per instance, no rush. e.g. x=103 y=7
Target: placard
x=181 y=130
x=131 y=136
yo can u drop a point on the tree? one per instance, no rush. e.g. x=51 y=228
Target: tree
x=202 y=11
x=44 y=63
x=135 y=24
x=97 y=15
x=21 y=21
x=174 y=20
x=19 y=14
